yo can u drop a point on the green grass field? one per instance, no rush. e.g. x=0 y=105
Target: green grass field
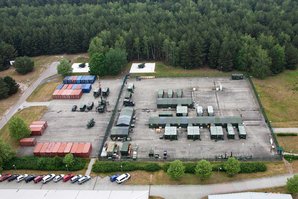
x=279 y=96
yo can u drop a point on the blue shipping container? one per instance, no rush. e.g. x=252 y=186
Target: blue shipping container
x=86 y=88
x=65 y=80
x=59 y=86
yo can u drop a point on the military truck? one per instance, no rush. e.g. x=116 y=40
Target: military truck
x=97 y=92
x=102 y=104
x=90 y=123
x=128 y=102
x=105 y=92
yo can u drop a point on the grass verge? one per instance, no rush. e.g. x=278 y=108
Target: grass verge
x=279 y=96
x=28 y=115
x=44 y=91
x=288 y=143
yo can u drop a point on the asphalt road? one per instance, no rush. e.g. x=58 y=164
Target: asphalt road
x=166 y=191
x=50 y=71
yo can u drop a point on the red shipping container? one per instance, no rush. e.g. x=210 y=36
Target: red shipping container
x=28 y=142
x=74 y=148
x=80 y=149
x=43 y=149
x=61 y=148
x=79 y=87
x=69 y=86
x=45 y=123
x=37 y=131
x=36 y=126
x=56 y=148
x=37 y=149
x=68 y=148
x=50 y=148
x=55 y=94
x=87 y=150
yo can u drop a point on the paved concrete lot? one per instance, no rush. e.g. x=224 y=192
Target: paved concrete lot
x=236 y=99
x=68 y=126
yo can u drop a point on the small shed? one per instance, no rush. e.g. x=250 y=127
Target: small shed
x=125 y=148
x=210 y=110
x=119 y=132
x=237 y=76
x=242 y=132
x=193 y=132
x=160 y=93
x=231 y=132
x=200 y=111
x=179 y=93
x=170 y=133
x=170 y=93
x=181 y=111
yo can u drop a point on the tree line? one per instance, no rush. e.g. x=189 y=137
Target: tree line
x=259 y=37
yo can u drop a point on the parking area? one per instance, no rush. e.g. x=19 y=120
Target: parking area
x=235 y=99
x=67 y=126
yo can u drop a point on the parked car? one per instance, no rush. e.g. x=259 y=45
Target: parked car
x=122 y=178
x=48 y=178
x=90 y=106
x=29 y=178
x=75 y=178
x=58 y=178
x=114 y=177
x=21 y=177
x=67 y=177
x=12 y=178
x=37 y=179
x=84 y=179
x=74 y=108
x=4 y=177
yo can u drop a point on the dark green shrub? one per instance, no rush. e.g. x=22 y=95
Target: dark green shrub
x=190 y=167
x=286 y=134
x=252 y=167
x=152 y=167
x=165 y=167
x=43 y=163
x=290 y=157
x=24 y=65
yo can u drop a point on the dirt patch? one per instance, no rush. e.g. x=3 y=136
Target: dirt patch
x=288 y=143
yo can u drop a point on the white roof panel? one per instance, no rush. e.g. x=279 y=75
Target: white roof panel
x=77 y=69
x=251 y=195
x=149 y=68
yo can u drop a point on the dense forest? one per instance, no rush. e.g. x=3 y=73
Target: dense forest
x=249 y=35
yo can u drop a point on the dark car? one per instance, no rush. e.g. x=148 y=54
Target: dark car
x=90 y=106
x=5 y=177
x=29 y=178
x=105 y=92
x=12 y=178
x=37 y=179
x=114 y=177
x=67 y=177
x=74 y=108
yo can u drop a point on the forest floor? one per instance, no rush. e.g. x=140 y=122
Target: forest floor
x=40 y=64
x=28 y=115
x=279 y=96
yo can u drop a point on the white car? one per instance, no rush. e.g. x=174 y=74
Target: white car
x=75 y=178
x=122 y=178
x=58 y=177
x=21 y=177
x=48 y=178
x=84 y=179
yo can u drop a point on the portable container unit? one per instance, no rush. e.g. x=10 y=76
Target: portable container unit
x=37 y=131
x=231 y=132
x=44 y=123
x=59 y=87
x=125 y=148
x=74 y=148
x=44 y=149
x=181 y=111
x=80 y=149
x=74 y=79
x=210 y=110
x=160 y=93
x=170 y=93
x=93 y=79
x=242 y=132
x=64 y=86
x=67 y=148
x=86 y=150
x=65 y=80
x=86 y=88
x=61 y=149
x=74 y=86
x=28 y=142
x=60 y=93
x=32 y=126
x=50 y=149
x=37 y=149
x=200 y=111
x=170 y=133
x=69 y=86
x=193 y=132
x=77 y=94
x=79 y=87
x=56 y=148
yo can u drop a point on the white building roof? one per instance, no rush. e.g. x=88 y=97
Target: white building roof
x=71 y=194
x=149 y=68
x=251 y=195
x=77 y=69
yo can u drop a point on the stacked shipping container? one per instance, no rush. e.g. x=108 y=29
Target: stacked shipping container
x=50 y=149
x=86 y=79
x=28 y=142
x=38 y=127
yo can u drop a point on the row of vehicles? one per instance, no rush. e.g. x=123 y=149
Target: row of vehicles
x=45 y=178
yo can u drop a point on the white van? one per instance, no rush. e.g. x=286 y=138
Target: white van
x=122 y=178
